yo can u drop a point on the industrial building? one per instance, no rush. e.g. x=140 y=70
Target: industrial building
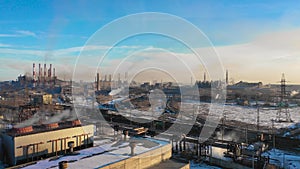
x=42 y=99
x=32 y=143
x=43 y=78
x=108 y=82
x=133 y=152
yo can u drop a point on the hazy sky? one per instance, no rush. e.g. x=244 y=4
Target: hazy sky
x=255 y=40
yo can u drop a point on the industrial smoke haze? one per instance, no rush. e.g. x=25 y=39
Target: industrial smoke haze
x=63 y=116
x=228 y=136
x=153 y=75
x=33 y=120
x=40 y=118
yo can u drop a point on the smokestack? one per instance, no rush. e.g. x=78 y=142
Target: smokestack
x=33 y=70
x=226 y=76
x=105 y=79
x=45 y=71
x=109 y=77
x=54 y=77
x=50 y=71
x=204 y=77
x=39 y=72
x=33 y=74
x=119 y=77
x=97 y=81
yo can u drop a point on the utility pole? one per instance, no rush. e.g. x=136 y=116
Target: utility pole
x=257 y=122
x=283 y=104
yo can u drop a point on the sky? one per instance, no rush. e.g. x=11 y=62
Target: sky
x=254 y=40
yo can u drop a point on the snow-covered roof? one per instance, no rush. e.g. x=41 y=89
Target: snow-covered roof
x=97 y=157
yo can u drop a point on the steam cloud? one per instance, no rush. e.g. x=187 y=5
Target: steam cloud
x=42 y=118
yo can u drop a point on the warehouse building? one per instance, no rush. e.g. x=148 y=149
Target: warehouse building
x=30 y=143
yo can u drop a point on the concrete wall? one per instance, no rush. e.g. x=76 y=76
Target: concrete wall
x=144 y=160
x=49 y=147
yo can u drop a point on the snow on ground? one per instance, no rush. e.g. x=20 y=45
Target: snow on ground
x=283 y=159
x=248 y=114
x=49 y=163
x=232 y=112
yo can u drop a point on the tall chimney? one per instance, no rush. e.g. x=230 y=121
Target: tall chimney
x=39 y=72
x=97 y=81
x=109 y=77
x=105 y=78
x=119 y=77
x=204 y=77
x=54 y=77
x=33 y=74
x=45 y=70
x=45 y=73
x=226 y=76
x=50 y=71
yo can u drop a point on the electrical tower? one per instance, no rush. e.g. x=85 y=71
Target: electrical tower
x=283 y=106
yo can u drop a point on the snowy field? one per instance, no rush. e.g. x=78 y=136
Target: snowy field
x=249 y=115
x=231 y=112
x=284 y=159
x=246 y=114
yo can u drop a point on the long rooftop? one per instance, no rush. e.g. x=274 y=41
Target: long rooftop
x=107 y=153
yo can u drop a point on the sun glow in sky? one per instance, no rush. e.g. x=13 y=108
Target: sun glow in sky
x=255 y=40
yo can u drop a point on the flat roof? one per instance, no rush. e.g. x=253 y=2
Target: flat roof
x=100 y=156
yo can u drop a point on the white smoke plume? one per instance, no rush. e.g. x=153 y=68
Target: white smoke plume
x=46 y=118
x=294 y=92
x=228 y=136
x=35 y=119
